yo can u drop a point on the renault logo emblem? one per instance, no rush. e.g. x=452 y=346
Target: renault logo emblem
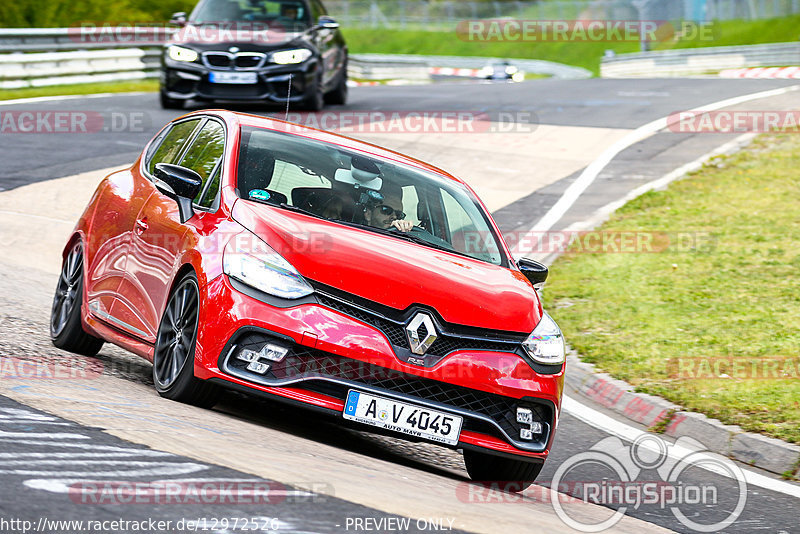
x=421 y=333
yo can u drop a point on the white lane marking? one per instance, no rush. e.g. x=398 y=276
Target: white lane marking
x=41 y=436
x=603 y=213
x=37 y=99
x=66 y=485
x=171 y=470
x=94 y=454
x=71 y=462
x=590 y=174
x=83 y=446
x=623 y=431
x=34 y=216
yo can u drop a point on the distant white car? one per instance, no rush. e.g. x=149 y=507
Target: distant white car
x=501 y=70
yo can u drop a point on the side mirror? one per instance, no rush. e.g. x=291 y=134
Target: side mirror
x=179 y=18
x=327 y=23
x=180 y=184
x=534 y=271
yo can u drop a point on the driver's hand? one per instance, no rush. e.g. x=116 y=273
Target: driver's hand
x=403 y=226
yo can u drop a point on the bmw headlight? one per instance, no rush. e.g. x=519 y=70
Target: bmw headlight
x=290 y=57
x=546 y=343
x=179 y=53
x=251 y=261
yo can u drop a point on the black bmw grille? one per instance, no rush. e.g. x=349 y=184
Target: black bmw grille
x=247 y=62
x=218 y=60
x=308 y=366
x=395 y=331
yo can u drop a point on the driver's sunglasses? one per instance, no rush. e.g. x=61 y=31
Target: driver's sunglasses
x=388 y=210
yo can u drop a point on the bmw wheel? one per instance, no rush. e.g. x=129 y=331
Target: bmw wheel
x=66 y=329
x=176 y=341
x=315 y=99
x=338 y=97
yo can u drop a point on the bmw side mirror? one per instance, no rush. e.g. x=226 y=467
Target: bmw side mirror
x=534 y=271
x=180 y=184
x=179 y=18
x=327 y=23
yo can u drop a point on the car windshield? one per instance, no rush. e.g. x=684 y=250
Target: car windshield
x=333 y=183
x=291 y=15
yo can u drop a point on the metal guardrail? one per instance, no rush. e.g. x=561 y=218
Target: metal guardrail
x=699 y=61
x=33 y=57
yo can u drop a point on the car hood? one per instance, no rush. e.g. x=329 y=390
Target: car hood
x=245 y=38
x=394 y=272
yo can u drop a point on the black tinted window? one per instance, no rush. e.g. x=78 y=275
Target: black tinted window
x=205 y=152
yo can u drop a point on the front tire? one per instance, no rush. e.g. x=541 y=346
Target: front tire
x=176 y=341
x=517 y=474
x=169 y=103
x=338 y=97
x=315 y=99
x=66 y=327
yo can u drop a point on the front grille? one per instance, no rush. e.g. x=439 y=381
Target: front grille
x=394 y=330
x=312 y=367
x=220 y=61
x=248 y=61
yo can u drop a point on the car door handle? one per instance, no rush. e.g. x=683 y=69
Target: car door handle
x=141 y=226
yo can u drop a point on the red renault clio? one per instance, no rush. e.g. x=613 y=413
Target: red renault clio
x=255 y=254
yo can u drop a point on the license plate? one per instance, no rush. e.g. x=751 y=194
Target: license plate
x=233 y=77
x=402 y=417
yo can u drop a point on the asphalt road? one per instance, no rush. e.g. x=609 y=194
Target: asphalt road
x=627 y=104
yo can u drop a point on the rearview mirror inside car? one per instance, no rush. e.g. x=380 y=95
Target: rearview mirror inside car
x=180 y=184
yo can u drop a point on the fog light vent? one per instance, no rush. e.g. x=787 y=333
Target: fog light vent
x=529 y=427
x=257 y=362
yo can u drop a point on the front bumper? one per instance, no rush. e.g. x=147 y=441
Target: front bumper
x=190 y=81
x=331 y=352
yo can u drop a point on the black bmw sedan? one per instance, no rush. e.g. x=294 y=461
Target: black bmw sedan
x=275 y=51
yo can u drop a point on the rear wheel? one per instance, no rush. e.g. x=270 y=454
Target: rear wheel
x=515 y=474
x=176 y=341
x=66 y=328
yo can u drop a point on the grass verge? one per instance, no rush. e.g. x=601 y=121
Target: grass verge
x=715 y=306
x=80 y=89
x=579 y=54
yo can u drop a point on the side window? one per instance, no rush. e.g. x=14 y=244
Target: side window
x=205 y=153
x=210 y=194
x=172 y=145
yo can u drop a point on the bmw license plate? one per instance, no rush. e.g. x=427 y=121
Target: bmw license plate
x=401 y=417
x=233 y=77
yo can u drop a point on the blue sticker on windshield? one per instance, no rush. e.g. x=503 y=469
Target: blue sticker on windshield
x=259 y=194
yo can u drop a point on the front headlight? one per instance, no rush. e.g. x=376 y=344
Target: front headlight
x=546 y=343
x=290 y=57
x=251 y=261
x=179 y=53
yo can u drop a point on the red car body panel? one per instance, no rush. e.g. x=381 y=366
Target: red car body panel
x=136 y=248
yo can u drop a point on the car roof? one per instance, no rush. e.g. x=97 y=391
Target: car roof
x=257 y=121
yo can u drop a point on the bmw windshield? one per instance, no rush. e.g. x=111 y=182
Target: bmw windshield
x=293 y=16
x=336 y=184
